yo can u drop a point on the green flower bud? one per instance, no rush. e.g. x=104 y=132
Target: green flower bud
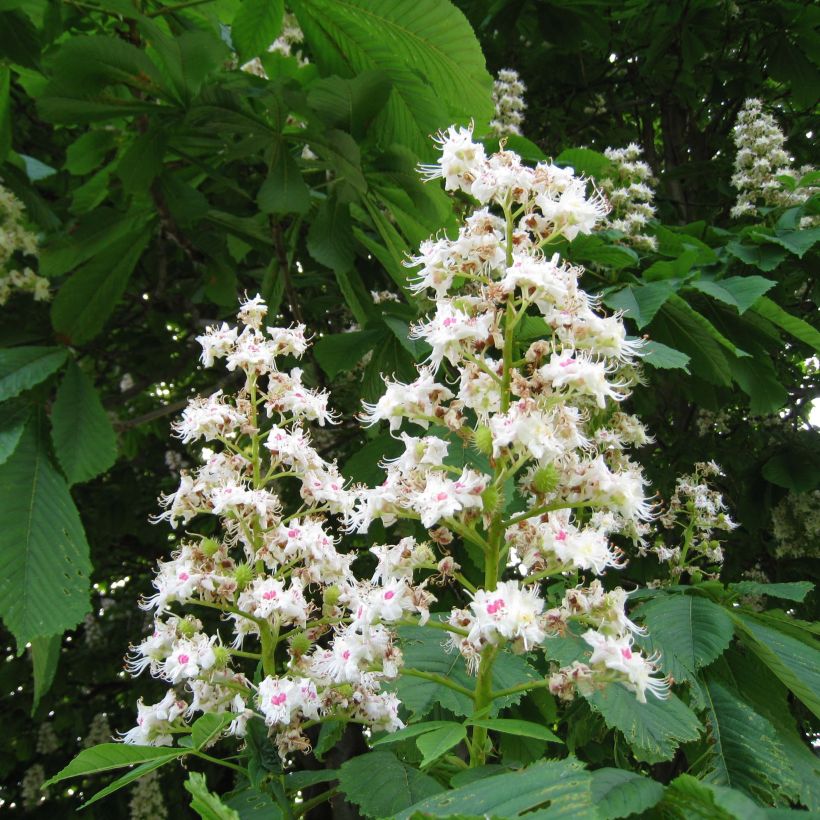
x=222 y=656
x=491 y=498
x=209 y=547
x=331 y=595
x=545 y=479
x=300 y=644
x=186 y=628
x=483 y=440
x=345 y=690
x=243 y=575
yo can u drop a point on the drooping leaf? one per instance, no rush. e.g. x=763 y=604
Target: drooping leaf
x=739 y=291
x=411 y=731
x=330 y=236
x=44 y=563
x=664 y=357
x=21 y=368
x=621 y=793
x=796 y=663
x=84 y=440
x=563 y=785
x=642 y=302
x=791 y=591
x=687 y=798
x=743 y=751
x=255 y=26
x=791 y=324
x=86 y=301
x=284 y=190
x=342 y=351
x=134 y=774
x=13 y=418
x=585 y=161
x=45 y=655
x=208 y=727
x=653 y=729
x=381 y=785
x=108 y=756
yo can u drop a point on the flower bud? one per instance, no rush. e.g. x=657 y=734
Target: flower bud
x=331 y=595
x=187 y=627
x=490 y=498
x=545 y=479
x=222 y=656
x=243 y=574
x=300 y=644
x=209 y=546
x=483 y=440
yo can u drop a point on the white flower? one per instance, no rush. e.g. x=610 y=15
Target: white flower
x=509 y=612
x=460 y=159
x=282 y=699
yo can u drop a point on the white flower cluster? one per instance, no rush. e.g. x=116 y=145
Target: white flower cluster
x=508 y=98
x=697 y=509
x=796 y=525
x=147 y=802
x=630 y=191
x=543 y=412
x=16 y=243
x=287 y=44
x=761 y=158
x=275 y=573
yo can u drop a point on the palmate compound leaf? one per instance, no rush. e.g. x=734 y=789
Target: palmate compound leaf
x=44 y=563
x=381 y=785
x=744 y=752
x=559 y=788
x=689 y=632
x=84 y=440
x=426 y=49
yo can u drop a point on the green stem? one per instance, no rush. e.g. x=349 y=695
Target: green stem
x=522 y=687
x=219 y=762
x=304 y=808
x=536 y=511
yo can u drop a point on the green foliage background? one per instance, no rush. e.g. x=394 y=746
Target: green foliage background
x=164 y=182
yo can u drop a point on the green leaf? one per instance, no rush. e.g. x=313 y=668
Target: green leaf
x=350 y=104
x=682 y=328
x=743 y=749
x=208 y=727
x=585 y=161
x=21 y=368
x=433 y=745
x=12 y=423
x=330 y=236
x=674 y=269
x=45 y=655
x=284 y=191
x=141 y=162
x=339 y=352
x=791 y=469
x=255 y=26
x=764 y=257
x=791 y=324
x=687 y=798
x=295 y=781
x=562 y=784
x=791 y=591
x=521 y=728
x=642 y=302
x=690 y=632
x=621 y=793
x=44 y=564
x=797 y=242
x=129 y=777
x=426 y=50
x=253 y=804
x=86 y=301
x=664 y=357
x=206 y=804
x=84 y=440
x=108 y=756
x=794 y=662
x=739 y=291
x=381 y=785
x=423 y=650
x=653 y=729
x=414 y=730
x=330 y=734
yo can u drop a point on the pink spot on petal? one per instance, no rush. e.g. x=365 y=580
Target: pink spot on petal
x=183 y=576
x=441 y=497
x=278 y=700
x=562 y=536
x=389 y=594
x=183 y=659
x=627 y=653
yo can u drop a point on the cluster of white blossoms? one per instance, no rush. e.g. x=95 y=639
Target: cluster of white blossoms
x=523 y=367
x=761 y=158
x=288 y=598
x=508 y=98
x=696 y=509
x=523 y=372
x=17 y=243
x=631 y=194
